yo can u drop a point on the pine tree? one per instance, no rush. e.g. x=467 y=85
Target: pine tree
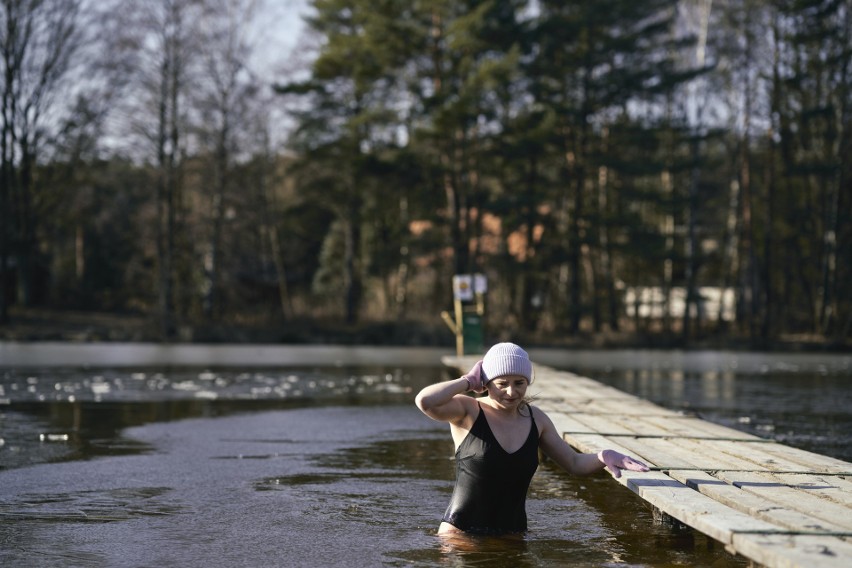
x=592 y=61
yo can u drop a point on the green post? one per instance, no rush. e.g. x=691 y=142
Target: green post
x=472 y=333
x=469 y=306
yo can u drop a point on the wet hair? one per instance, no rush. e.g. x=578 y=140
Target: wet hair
x=526 y=403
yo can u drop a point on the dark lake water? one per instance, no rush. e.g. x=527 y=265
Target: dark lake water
x=332 y=465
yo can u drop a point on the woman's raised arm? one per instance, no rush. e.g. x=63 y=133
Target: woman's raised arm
x=442 y=401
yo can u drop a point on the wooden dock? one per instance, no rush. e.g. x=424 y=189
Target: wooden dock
x=775 y=505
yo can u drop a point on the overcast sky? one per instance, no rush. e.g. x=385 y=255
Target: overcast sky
x=279 y=26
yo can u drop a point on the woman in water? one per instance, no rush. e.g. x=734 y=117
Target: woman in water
x=497 y=438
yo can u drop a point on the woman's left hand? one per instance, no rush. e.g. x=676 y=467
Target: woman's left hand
x=615 y=462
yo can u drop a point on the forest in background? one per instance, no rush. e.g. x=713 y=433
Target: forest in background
x=669 y=169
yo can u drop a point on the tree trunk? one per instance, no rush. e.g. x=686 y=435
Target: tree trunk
x=691 y=262
x=575 y=255
x=668 y=232
x=404 y=267
x=748 y=278
x=530 y=309
x=608 y=284
x=730 y=249
x=454 y=211
x=26 y=226
x=768 y=237
x=576 y=230
x=747 y=281
x=351 y=277
x=213 y=303
x=166 y=135
x=6 y=180
x=281 y=274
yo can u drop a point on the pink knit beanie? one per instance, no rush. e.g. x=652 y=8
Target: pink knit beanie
x=506 y=359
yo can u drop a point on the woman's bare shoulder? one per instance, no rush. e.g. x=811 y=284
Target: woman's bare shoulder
x=541 y=418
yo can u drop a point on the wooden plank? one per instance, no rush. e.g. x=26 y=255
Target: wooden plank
x=582 y=386
x=578 y=388
x=843 y=483
x=569 y=380
x=582 y=422
x=712 y=457
x=655 y=424
x=679 y=427
x=683 y=454
x=668 y=427
x=810 y=460
x=618 y=407
x=567 y=422
x=570 y=393
x=754 y=505
x=794 y=551
x=694 y=509
x=712 y=454
x=640 y=449
x=604 y=424
x=809 y=502
x=609 y=425
x=593 y=443
x=702 y=428
x=769 y=457
x=628 y=408
x=832 y=487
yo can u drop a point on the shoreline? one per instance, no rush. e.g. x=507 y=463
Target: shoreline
x=53 y=354
x=76 y=327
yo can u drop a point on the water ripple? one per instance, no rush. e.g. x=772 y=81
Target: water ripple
x=90 y=506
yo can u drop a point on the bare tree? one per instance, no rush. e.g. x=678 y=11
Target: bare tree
x=38 y=42
x=225 y=92
x=165 y=32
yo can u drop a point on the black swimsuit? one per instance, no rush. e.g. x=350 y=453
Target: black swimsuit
x=491 y=484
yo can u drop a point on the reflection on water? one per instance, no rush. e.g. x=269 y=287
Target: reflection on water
x=346 y=473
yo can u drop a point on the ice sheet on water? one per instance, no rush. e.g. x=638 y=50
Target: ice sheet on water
x=75 y=385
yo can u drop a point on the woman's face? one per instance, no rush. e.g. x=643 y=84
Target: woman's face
x=508 y=391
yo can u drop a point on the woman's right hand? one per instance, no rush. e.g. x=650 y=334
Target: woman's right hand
x=476 y=378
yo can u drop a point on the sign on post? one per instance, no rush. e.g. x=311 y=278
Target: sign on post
x=469 y=302
x=467 y=286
